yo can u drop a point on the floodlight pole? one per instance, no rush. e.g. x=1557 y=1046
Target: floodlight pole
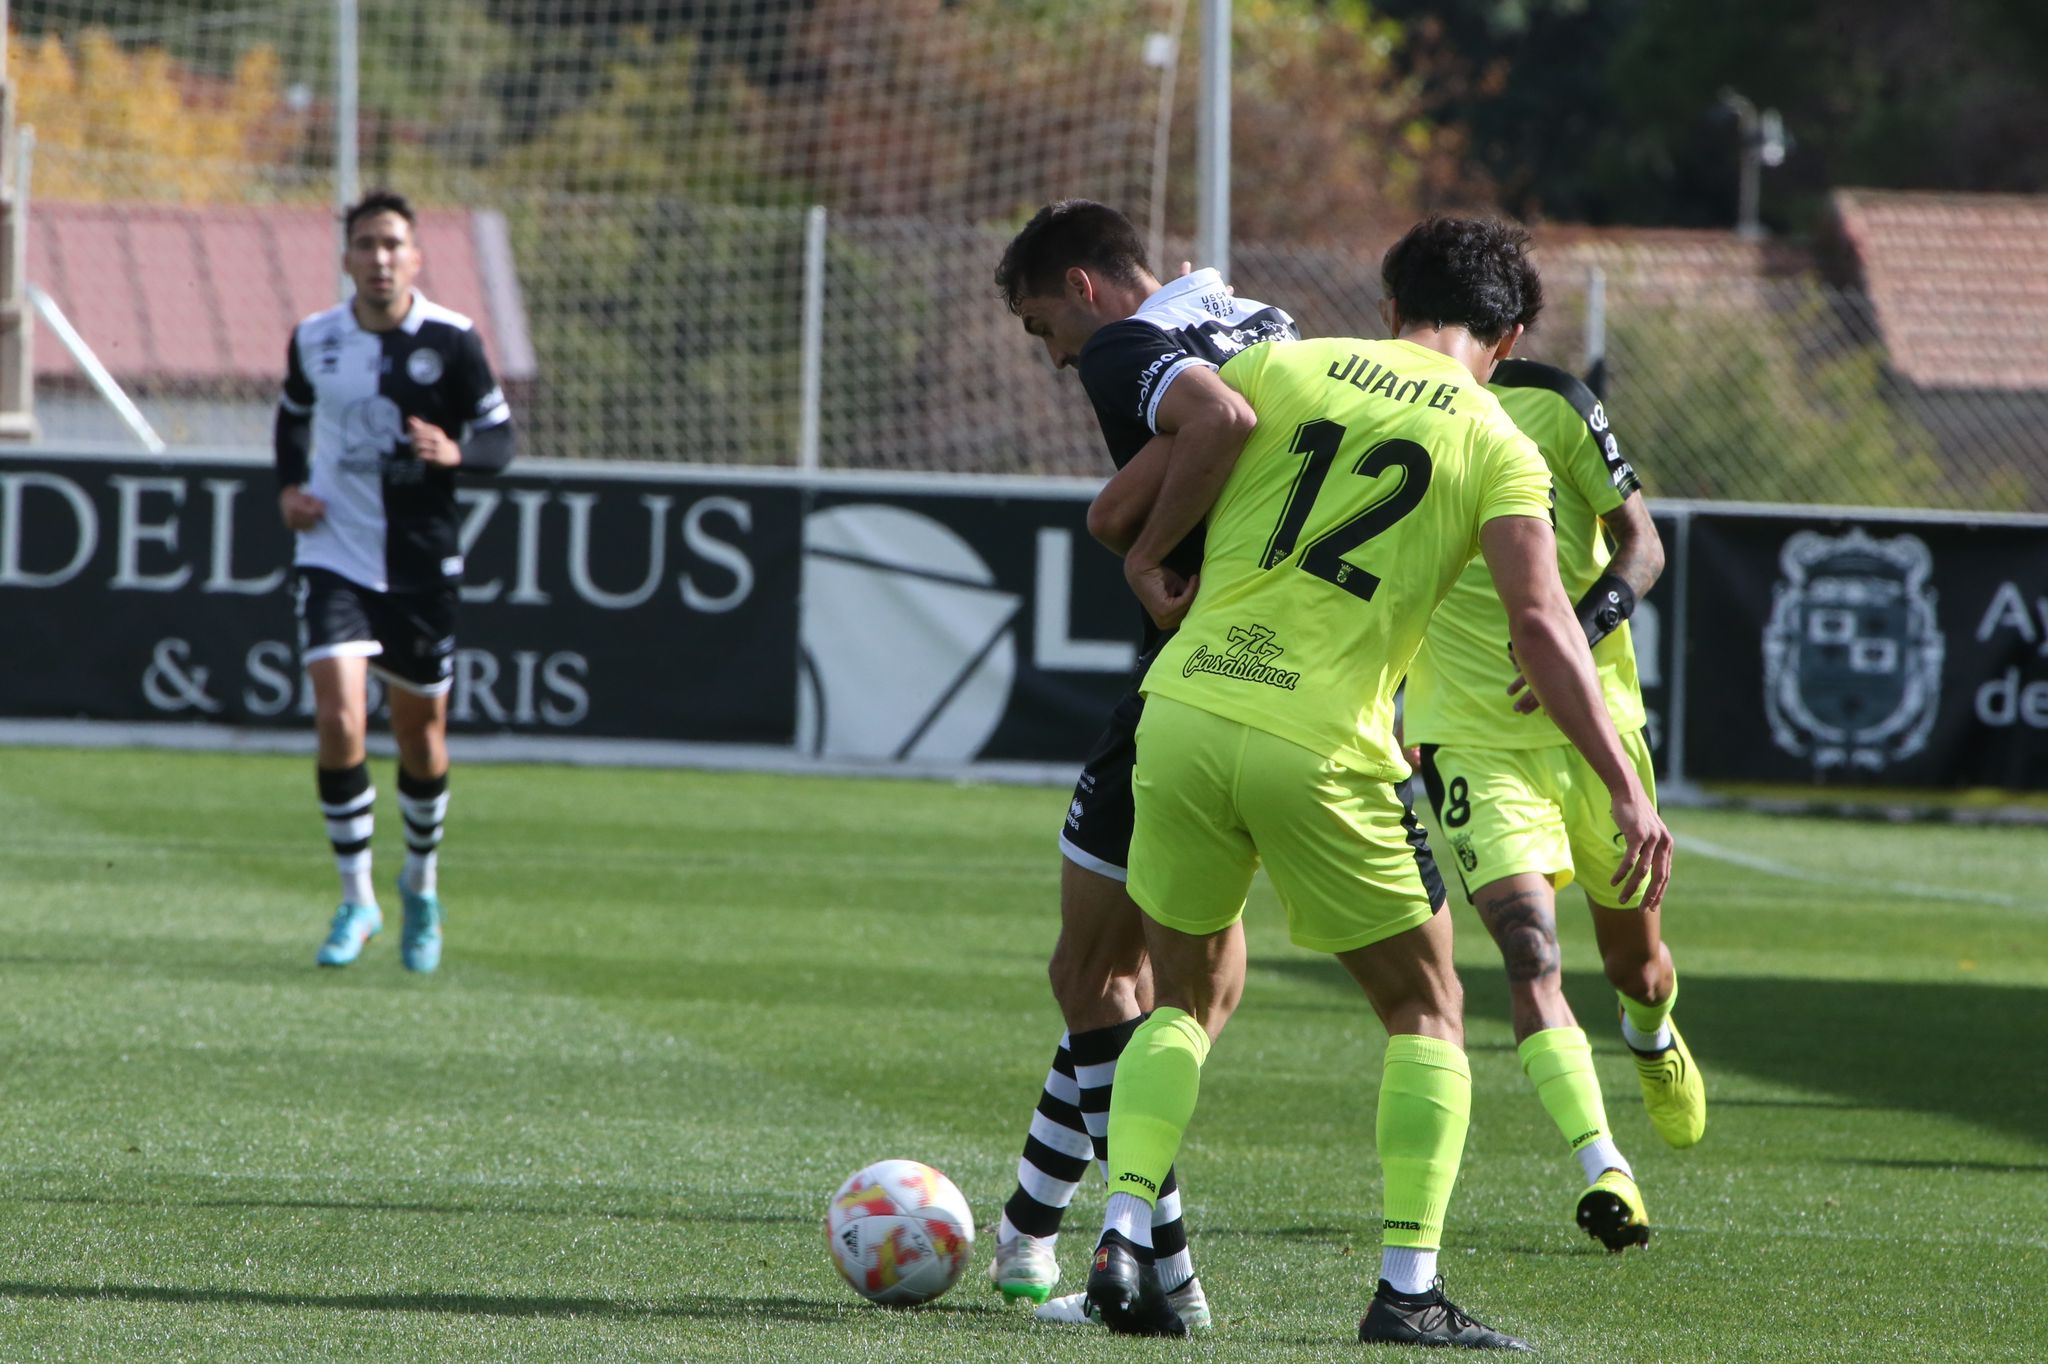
x=347 y=100
x=1761 y=133
x=1212 y=150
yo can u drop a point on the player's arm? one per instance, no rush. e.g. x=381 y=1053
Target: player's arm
x=487 y=443
x=1638 y=549
x=1209 y=422
x=1521 y=554
x=1637 y=564
x=292 y=444
x=1118 y=512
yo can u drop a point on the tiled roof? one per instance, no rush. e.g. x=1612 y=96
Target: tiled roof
x=1959 y=283
x=208 y=295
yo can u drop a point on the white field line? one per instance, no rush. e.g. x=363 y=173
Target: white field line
x=1771 y=867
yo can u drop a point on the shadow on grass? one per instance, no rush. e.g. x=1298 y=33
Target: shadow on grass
x=689 y=1306
x=678 y=1216
x=1899 y=1046
x=1975 y=1167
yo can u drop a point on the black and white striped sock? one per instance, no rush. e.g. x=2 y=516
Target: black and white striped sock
x=1055 y=1157
x=346 y=800
x=1095 y=1055
x=424 y=802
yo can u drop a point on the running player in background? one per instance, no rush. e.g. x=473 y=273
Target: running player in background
x=1377 y=470
x=1524 y=814
x=385 y=397
x=1147 y=355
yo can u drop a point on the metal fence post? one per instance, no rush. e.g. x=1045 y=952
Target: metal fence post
x=1212 y=171
x=808 y=427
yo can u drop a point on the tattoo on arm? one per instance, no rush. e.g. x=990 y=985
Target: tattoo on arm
x=1638 y=549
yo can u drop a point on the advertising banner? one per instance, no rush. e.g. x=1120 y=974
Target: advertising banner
x=886 y=621
x=871 y=620
x=160 y=590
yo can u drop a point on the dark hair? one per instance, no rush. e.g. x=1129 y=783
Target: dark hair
x=1473 y=273
x=375 y=202
x=1063 y=235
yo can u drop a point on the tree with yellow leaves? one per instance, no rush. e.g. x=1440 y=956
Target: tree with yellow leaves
x=118 y=125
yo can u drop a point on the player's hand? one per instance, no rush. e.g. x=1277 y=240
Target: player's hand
x=1525 y=696
x=431 y=444
x=1165 y=595
x=1646 y=848
x=1413 y=753
x=300 y=509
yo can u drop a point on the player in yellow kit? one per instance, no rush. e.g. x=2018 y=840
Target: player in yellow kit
x=1374 y=471
x=1523 y=815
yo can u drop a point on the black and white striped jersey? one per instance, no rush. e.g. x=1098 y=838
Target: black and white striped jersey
x=391 y=522
x=1127 y=366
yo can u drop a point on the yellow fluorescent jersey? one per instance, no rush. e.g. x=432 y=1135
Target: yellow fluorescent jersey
x=1354 y=507
x=1457 y=687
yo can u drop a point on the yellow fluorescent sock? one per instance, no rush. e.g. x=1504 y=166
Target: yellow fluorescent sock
x=1647 y=1018
x=1158 y=1079
x=1559 y=1063
x=1425 y=1107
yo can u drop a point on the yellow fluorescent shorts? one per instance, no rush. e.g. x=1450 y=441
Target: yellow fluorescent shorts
x=1504 y=811
x=1215 y=798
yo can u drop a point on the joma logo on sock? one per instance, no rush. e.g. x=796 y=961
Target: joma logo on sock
x=1392 y=1225
x=1140 y=1181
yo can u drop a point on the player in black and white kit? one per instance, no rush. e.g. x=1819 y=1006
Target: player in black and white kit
x=385 y=397
x=1147 y=355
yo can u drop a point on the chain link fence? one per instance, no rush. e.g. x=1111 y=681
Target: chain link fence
x=662 y=171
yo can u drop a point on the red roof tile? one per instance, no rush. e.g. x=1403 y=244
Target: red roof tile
x=209 y=295
x=1957 y=281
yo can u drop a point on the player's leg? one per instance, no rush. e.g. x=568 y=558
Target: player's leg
x=334 y=643
x=1355 y=874
x=1425 y=1105
x=1638 y=964
x=417 y=667
x=1102 y=984
x=1504 y=818
x=1192 y=861
x=1198 y=978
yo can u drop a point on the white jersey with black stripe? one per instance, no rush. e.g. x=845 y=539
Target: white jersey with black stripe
x=391 y=523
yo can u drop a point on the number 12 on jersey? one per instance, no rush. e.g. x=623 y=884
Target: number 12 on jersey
x=1320 y=441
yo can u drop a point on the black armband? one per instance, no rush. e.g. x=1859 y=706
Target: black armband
x=1607 y=603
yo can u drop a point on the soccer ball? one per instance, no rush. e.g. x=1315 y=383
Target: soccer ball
x=900 y=1232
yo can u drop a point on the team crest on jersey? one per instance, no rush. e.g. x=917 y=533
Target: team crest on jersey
x=1462 y=845
x=423 y=366
x=1853 y=652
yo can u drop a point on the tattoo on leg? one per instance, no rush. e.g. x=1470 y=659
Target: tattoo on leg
x=1525 y=926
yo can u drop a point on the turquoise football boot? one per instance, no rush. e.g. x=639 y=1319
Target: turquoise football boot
x=419 y=945
x=353 y=927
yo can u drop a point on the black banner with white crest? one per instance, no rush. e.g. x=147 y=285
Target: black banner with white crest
x=1867 y=650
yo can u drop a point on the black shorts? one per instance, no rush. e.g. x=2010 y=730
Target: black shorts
x=409 y=635
x=1097 y=834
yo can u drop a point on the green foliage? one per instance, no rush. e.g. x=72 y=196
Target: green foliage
x=1767 y=402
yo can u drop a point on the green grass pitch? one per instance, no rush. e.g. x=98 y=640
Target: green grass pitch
x=678 y=1008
